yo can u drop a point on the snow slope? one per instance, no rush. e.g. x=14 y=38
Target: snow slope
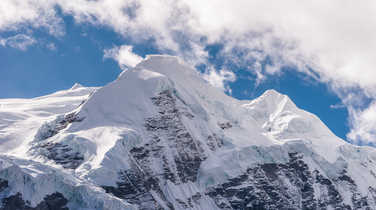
x=19 y=118
x=159 y=136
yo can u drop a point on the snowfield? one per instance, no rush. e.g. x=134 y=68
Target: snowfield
x=160 y=137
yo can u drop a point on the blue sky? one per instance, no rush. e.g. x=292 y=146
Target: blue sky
x=78 y=57
x=49 y=46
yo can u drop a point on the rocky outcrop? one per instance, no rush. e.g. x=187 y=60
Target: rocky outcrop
x=214 y=142
x=292 y=185
x=171 y=154
x=60 y=153
x=54 y=201
x=52 y=128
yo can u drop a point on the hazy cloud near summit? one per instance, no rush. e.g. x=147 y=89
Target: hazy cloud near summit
x=124 y=56
x=333 y=41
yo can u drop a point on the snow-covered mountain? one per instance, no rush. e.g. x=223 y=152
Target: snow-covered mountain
x=160 y=137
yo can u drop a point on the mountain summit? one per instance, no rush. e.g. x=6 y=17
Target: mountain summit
x=160 y=137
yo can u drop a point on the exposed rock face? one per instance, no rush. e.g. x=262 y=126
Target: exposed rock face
x=291 y=185
x=188 y=153
x=135 y=188
x=286 y=186
x=55 y=201
x=225 y=125
x=172 y=155
x=52 y=128
x=60 y=153
x=214 y=142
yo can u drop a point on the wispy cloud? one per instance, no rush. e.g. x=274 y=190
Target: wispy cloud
x=220 y=79
x=18 y=14
x=363 y=125
x=337 y=106
x=19 y=41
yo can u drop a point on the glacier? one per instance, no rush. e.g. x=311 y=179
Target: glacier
x=161 y=137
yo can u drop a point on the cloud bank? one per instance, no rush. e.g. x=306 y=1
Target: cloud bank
x=331 y=41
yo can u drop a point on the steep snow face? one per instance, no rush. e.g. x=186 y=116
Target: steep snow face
x=26 y=184
x=117 y=112
x=134 y=89
x=280 y=117
x=125 y=101
x=21 y=118
x=160 y=137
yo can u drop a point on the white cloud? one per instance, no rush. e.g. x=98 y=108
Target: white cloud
x=336 y=37
x=333 y=41
x=19 y=41
x=363 y=130
x=123 y=55
x=337 y=106
x=15 y=14
x=220 y=79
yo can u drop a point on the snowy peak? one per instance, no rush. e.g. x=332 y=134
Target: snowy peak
x=185 y=78
x=160 y=137
x=272 y=93
x=76 y=86
x=166 y=65
x=283 y=121
x=134 y=88
x=272 y=101
x=269 y=106
x=126 y=100
x=169 y=66
x=272 y=113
